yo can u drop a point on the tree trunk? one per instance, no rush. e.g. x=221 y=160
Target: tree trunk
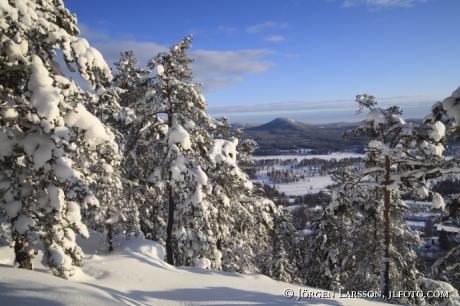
x=110 y=236
x=171 y=206
x=23 y=259
x=169 y=249
x=385 y=274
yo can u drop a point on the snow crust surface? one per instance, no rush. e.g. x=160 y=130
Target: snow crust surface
x=135 y=274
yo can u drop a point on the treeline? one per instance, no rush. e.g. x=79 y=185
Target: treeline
x=312 y=199
x=327 y=165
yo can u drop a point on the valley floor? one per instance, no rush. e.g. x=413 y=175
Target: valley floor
x=310 y=184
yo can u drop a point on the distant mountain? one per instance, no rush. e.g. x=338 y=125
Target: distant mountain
x=286 y=134
x=244 y=125
x=283 y=124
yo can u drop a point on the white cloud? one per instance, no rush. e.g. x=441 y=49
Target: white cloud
x=213 y=69
x=143 y=51
x=230 y=62
x=92 y=34
x=275 y=38
x=212 y=83
x=218 y=69
x=377 y=4
x=267 y=25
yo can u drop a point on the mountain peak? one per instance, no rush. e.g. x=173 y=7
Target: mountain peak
x=286 y=124
x=282 y=119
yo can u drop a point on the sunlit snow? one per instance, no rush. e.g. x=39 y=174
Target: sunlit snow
x=135 y=274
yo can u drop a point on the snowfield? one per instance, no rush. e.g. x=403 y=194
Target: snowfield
x=312 y=184
x=135 y=274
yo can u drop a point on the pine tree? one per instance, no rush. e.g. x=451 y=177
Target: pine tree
x=453 y=206
x=229 y=187
x=286 y=259
x=328 y=259
x=444 y=240
x=141 y=158
x=242 y=219
x=43 y=125
x=399 y=156
x=252 y=243
x=282 y=268
x=130 y=78
x=184 y=152
x=334 y=250
x=447 y=268
x=116 y=212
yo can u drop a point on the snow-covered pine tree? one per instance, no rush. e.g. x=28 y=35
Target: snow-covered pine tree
x=130 y=78
x=317 y=268
x=116 y=212
x=254 y=219
x=399 y=155
x=245 y=149
x=41 y=119
x=453 y=207
x=328 y=249
x=183 y=153
x=229 y=185
x=283 y=270
x=141 y=155
x=243 y=219
x=447 y=269
x=137 y=129
x=285 y=260
x=357 y=223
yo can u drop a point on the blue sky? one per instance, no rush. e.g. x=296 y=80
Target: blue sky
x=302 y=59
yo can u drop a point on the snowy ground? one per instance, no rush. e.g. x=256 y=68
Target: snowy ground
x=301 y=188
x=311 y=184
x=135 y=274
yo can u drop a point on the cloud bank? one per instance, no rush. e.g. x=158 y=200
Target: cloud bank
x=413 y=106
x=213 y=69
x=218 y=69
